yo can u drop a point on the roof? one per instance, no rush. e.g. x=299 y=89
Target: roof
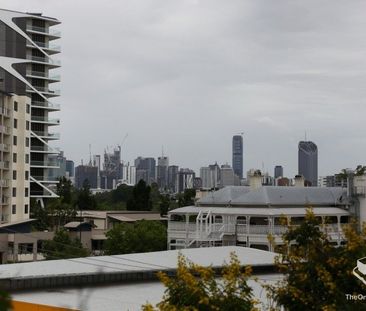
x=261 y=211
x=152 y=261
x=76 y=224
x=277 y=196
x=104 y=214
x=136 y=217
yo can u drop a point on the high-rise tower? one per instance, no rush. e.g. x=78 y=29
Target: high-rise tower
x=308 y=162
x=26 y=63
x=238 y=155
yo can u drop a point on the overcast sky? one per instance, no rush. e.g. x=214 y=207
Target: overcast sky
x=187 y=75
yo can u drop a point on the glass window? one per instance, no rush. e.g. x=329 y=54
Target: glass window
x=15 y=123
x=27 y=141
x=28 y=108
x=26 y=175
x=14 y=175
x=26 y=192
x=14 y=192
x=14 y=158
x=26 y=209
x=27 y=158
x=27 y=125
x=15 y=106
x=15 y=140
x=14 y=209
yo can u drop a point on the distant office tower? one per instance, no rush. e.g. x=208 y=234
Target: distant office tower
x=185 y=179
x=129 y=174
x=173 y=178
x=238 y=155
x=112 y=169
x=145 y=169
x=210 y=176
x=226 y=176
x=278 y=171
x=97 y=163
x=162 y=172
x=70 y=168
x=26 y=63
x=60 y=161
x=86 y=172
x=308 y=162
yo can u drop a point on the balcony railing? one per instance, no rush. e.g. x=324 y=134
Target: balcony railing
x=4 y=183
x=47 y=135
x=46 y=31
x=4 y=200
x=4 y=164
x=42 y=74
x=45 y=120
x=44 y=60
x=45 y=45
x=45 y=178
x=5 y=218
x=4 y=147
x=4 y=129
x=45 y=149
x=4 y=111
x=44 y=90
x=45 y=105
x=47 y=163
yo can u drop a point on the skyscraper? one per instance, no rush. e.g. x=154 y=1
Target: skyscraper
x=26 y=63
x=162 y=172
x=278 y=171
x=238 y=155
x=308 y=162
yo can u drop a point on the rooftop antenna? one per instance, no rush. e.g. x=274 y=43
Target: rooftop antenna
x=90 y=157
x=305 y=136
x=162 y=151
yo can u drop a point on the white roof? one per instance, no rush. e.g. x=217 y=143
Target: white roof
x=153 y=261
x=117 y=297
x=261 y=211
x=276 y=196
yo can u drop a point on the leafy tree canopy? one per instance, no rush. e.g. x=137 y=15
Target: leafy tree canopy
x=142 y=236
x=198 y=288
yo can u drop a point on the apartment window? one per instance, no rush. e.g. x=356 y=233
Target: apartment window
x=27 y=158
x=14 y=158
x=26 y=192
x=27 y=141
x=14 y=175
x=14 y=209
x=27 y=125
x=28 y=108
x=15 y=123
x=15 y=140
x=26 y=209
x=15 y=106
x=14 y=192
x=26 y=175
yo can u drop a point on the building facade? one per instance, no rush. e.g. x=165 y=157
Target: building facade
x=308 y=162
x=162 y=172
x=86 y=172
x=237 y=154
x=278 y=171
x=185 y=179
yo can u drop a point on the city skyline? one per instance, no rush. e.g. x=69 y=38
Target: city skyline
x=212 y=77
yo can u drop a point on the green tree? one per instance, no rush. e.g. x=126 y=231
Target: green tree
x=187 y=197
x=318 y=275
x=65 y=190
x=62 y=246
x=142 y=236
x=197 y=288
x=5 y=301
x=85 y=199
x=164 y=204
x=61 y=212
x=40 y=214
x=140 y=200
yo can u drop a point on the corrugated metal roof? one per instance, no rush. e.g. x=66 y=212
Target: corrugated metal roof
x=261 y=211
x=277 y=196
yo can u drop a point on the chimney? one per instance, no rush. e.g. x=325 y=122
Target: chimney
x=255 y=180
x=299 y=181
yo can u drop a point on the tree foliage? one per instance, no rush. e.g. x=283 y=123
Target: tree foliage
x=318 y=274
x=85 y=199
x=198 y=288
x=142 y=236
x=62 y=246
x=140 y=200
x=187 y=197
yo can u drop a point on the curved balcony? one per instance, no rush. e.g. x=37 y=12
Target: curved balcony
x=45 y=135
x=45 y=164
x=45 y=149
x=43 y=75
x=45 y=179
x=45 y=120
x=44 y=60
x=45 y=105
x=4 y=200
x=51 y=48
x=44 y=91
x=52 y=33
x=4 y=183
